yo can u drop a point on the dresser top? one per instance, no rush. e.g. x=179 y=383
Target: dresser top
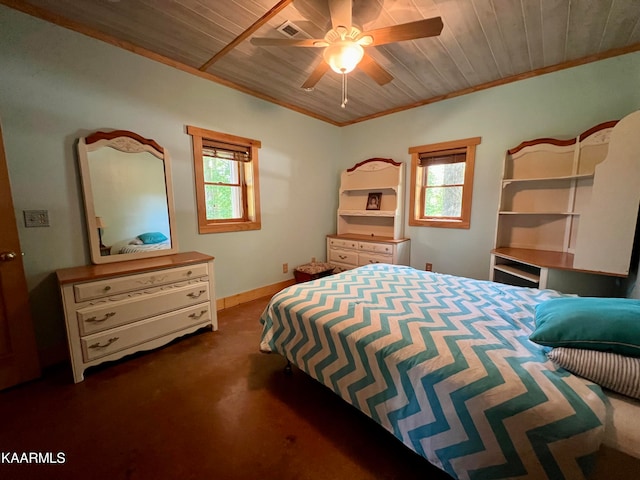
x=366 y=238
x=93 y=272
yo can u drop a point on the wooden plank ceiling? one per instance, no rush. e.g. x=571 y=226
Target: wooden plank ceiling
x=483 y=43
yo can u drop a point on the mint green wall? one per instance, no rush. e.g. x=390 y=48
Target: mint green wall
x=561 y=104
x=56 y=85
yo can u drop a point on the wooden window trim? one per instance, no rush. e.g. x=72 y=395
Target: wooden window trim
x=416 y=200
x=251 y=187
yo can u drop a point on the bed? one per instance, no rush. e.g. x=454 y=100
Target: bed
x=445 y=364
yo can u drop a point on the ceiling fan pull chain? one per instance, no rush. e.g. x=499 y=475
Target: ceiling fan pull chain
x=344 y=91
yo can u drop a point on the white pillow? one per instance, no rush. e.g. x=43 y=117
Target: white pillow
x=609 y=370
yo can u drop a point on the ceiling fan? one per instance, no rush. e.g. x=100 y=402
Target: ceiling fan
x=344 y=44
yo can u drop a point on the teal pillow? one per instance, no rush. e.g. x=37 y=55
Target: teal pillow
x=604 y=324
x=152 y=237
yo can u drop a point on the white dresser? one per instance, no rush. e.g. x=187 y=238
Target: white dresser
x=116 y=309
x=351 y=250
x=370 y=233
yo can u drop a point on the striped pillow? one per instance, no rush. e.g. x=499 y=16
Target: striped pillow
x=609 y=370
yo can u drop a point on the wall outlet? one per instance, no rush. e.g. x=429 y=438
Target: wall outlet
x=428 y=267
x=285 y=267
x=313 y=259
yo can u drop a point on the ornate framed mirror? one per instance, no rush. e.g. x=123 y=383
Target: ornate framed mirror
x=128 y=198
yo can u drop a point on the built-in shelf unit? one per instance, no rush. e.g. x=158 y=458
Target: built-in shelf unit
x=376 y=175
x=569 y=205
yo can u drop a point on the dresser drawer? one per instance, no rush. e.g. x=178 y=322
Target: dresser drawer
x=120 y=338
x=122 y=309
x=112 y=286
x=383 y=248
x=349 y=257
x=338 y=243
x=369 y=258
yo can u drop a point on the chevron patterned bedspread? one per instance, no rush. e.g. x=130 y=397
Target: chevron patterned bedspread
x=444 y=363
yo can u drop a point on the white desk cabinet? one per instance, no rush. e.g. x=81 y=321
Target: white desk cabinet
x=570 y=206
x=116 y=309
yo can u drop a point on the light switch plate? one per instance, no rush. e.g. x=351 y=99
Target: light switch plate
x=36 y=218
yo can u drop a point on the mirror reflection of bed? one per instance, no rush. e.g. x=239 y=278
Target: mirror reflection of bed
x=129 y=196
x=140 y=244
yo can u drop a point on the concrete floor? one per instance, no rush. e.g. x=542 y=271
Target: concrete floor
x=209 y=406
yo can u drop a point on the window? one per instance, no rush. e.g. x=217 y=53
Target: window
x=442 y=183
x=227 y=186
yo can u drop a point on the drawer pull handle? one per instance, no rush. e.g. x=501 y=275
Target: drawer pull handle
x=107 y=288
x=107 y=316
x=196 y=295
x=97 y=346
x=189 y=273
x=342 y=257
x=196 y=316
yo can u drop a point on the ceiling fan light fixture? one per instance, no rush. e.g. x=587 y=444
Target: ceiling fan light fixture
x=343 y=56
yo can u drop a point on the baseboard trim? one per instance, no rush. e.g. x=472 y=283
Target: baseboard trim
x=250 y=295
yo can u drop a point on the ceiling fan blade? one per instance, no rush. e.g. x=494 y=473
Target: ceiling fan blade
x=429 y=27
x=374 y=70
x=362 y=11
x=316 y=75
x=288 y=42
x=340 y=11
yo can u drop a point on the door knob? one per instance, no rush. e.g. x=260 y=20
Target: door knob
x=7 y=256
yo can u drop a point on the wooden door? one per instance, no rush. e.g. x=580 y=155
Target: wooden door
x=18 y=353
